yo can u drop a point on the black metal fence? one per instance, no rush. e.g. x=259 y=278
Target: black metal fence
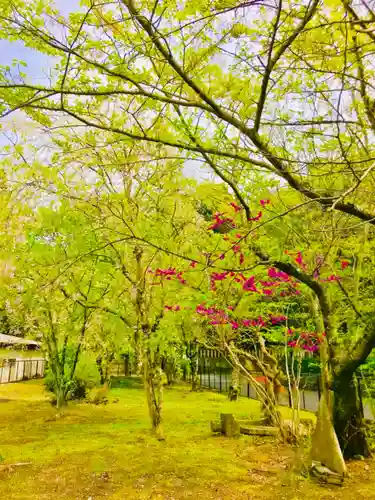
x=215 y=373
x=14 y=370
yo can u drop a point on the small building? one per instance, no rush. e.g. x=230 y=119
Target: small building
x=11 y=341
x=16 y=360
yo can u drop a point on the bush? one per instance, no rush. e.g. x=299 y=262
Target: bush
x=78 y=389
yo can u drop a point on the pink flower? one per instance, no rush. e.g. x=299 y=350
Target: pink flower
x=235 y=207
x=258 y=322
x=249 y=284
x=246 y=322
x=333 y=277
x=230 y=308
x=242 y=259
x=257 y=217
x=344 y=264
x=292 y=343
x=193 y=264
x=299 y=259
x=238 y=236
x=222 y=256
x=219 y=276
x=264 y=202
x=277 y=319
x=219 y=221
x=236 y=248
x=269 y=283
x=267 y=291
x=177 y=308
x=274 y=273
x=235 y=325
x=166 y=272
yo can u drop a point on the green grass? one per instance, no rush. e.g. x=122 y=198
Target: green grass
x=109 y=452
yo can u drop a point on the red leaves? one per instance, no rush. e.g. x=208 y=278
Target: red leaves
x=257 y=217
x=249 y=284
x=171 y=271
x=235 y=207
x=173 y=308
x=277 y=319
x=222 y=224
x=308 y=341
x=344 y=264
x=333 y=277
x=264 y=202
x=274 y=273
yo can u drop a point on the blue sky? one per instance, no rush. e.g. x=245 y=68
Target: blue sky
x=37 y=64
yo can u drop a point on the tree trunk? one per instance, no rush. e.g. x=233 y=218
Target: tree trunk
x=194 y=372
x=348 y=416
x=270 y=411
x=152 y=375
x=126 y=365
x=234 y=388
x=99 y=365
x=60 y=394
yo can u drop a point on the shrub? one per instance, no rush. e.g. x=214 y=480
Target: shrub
x=78 y=389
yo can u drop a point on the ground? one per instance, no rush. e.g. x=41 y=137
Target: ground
x=96 y=452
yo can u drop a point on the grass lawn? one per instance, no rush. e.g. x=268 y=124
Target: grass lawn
x=94 y=452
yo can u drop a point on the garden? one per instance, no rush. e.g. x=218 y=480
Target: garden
x=186 y=189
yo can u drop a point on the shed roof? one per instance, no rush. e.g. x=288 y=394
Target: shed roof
x=12 y=340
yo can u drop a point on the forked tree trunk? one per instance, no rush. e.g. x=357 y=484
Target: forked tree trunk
x=234 y=388
x=60 y=394
x=152 y=377
x=270 y=411
x=347 y=416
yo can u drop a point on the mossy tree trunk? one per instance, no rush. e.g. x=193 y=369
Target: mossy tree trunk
x=234 y=388
x=148 y=359
x=348 y=416
x=152 y=377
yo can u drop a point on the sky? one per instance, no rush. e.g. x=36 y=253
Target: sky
x=38 y=64
x=38 y=69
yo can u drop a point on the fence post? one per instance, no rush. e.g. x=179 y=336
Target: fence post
x=220 y=379
x=209 y=370
x=304 y=399
x=248 y=390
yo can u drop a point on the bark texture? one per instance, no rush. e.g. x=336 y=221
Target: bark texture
x=348 y=416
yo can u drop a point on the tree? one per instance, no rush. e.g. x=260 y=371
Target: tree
x=246 y=99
